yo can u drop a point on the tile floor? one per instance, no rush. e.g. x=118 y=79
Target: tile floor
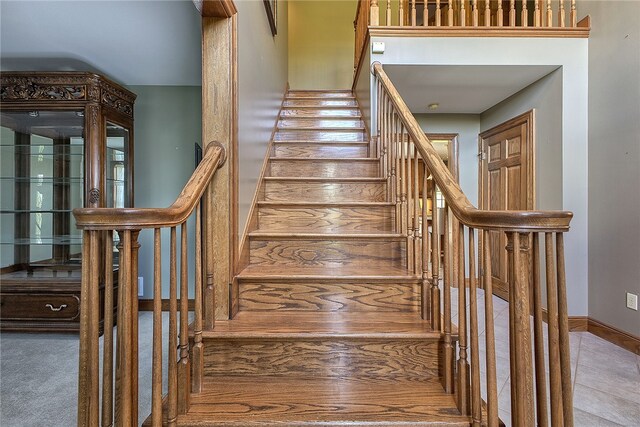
x=38 y=376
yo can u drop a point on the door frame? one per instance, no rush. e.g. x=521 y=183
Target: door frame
x=528 y=119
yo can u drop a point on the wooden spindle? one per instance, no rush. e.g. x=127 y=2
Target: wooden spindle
x=413 y=13
x=537 y=14
x=499 y=15
x=512 y=13
x=435 y=261
x=425 y=15
x=411 y=232
x=184 y=365
x=522 y=399
x=476 y=405
x=446 y=267
x=135 y=246
x=426 y=306
x=94 y=306
x=573 y=15
x=172 y=412
x=463 y=14
x=438 y=13
x=388 y=16
x=487 y=13
x=156 y=377
x=549 y=14
x=209 y=296
x=463 y=365
x=398 y=175
x=197 y=363
x=541 y=387
x=401 y=13
x=474 y=13
x=107 y=354
x=416 y=213
x=374 y=13
x=555 y=382
x=450 y=14
x=524 y=15
x=561 y=14
x=563 y=327
x=403 y=180
x=490 y=343
x=123 y=410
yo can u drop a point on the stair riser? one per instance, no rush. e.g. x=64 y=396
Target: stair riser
x=325 y=168
x=329 y=297
x=326 y=219
x=319 y=135
x=320 y=151
x=320 y=103
x=327 y=253
x=319 y=112
x=292 y=191
x=362 y=359
x=319 y=123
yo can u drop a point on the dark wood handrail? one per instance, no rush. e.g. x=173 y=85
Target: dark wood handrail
x=460 y=205
x=178 y=212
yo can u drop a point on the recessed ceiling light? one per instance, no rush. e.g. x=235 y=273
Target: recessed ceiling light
x=433 y=106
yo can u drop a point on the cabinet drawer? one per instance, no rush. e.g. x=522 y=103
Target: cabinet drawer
x=39 y=307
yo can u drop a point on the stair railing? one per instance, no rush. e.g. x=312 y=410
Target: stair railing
x=415 y=174
x=98 y=403
x=472 y=13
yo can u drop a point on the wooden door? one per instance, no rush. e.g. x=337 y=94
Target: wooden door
x=506 y=183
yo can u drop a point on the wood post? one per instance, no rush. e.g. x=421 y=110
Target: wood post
x=374 y=13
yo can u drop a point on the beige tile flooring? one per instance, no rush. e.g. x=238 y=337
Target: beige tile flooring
x=38 y=376
x=606 y=378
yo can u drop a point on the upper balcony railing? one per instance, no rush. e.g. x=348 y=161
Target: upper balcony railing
x=467 y=18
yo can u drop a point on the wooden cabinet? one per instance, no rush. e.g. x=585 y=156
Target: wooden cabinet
x=66 y=141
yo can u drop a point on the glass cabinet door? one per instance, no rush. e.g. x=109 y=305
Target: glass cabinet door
x=117 y=167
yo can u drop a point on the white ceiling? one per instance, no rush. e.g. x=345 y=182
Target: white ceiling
x=461 y=89
x=143 y=42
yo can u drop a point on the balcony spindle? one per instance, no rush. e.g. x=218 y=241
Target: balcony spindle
x=463 y=365
x=413 y=13
x=124 y=401
x=463 y=13
x=512 y=13
x=135 y=246
x=499 y=15
x=573 y=15
x=561 y=14
x=525 y=15
x=425 y=15
x=476 y=406
x=549 y=14
x=388 y=15
x=172 y=399
x=446 y=267
x=156 y=382
x=474 y=13
x=487 y=13
x=450 y=13
x=490 y=343
x=374 y=13
x=107 y=355
x=438 y=13
x=537 y=14
x=541 y=386
x=401 y=13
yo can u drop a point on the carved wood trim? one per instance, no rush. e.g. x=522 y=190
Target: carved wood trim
x=216 y=8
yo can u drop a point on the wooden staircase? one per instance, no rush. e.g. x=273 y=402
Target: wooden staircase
x=328 y=329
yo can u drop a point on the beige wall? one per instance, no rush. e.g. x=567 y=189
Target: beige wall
x=262 y=74
x=614 y=161
x=321 y=44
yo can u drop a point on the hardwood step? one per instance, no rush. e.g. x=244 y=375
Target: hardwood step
x=306 y=401
x=317 y=102
x=332 y=296
x=325 y=189
x=329 y=167
x=310 y=273
x=329 y=251
x=320 y=112
x=320 y=94
x=317 y=123
x=364 y=345
x=326 y=218
x=321 y=149
x=311 y=135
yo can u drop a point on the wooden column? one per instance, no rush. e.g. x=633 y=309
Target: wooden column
x=219 y=123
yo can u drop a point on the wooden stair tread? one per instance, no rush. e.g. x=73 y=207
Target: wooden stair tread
x=345 y=273
x=327 y=204
x=322 y=325
x=237 y=401
x=327 y=159
x=325 y=236
x=322 y=179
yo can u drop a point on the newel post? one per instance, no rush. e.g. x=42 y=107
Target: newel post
x=522 y=404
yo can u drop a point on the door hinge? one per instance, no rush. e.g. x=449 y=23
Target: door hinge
x=482 y=155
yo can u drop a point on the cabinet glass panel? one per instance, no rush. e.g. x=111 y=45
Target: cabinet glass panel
x=42 y=180
x=117 y=165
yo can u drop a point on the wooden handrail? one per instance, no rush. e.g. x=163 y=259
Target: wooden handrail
x=463 y=209
x=178 y=212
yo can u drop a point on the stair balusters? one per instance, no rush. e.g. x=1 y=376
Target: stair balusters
x=467 y=269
